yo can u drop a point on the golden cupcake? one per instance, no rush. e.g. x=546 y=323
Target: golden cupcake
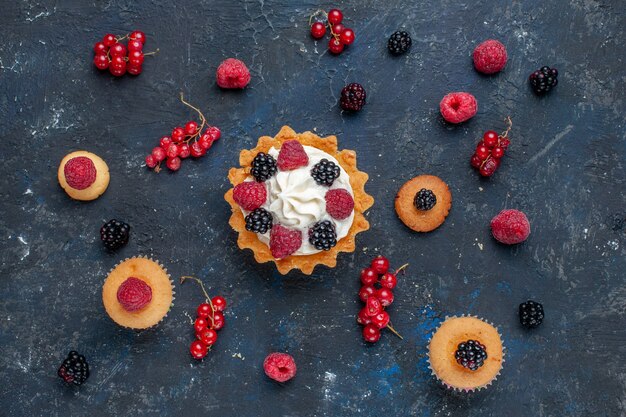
x=423 y=203
x=466 y=353
x=138 y=293
x=297 y=200
x=83 y=175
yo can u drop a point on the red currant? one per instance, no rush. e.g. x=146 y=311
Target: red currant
x=198 y=349
x=335 y=46
x=219 y=303
x=363 y=317
x=475 y=161
x=173 y=163
x=490 y=138
x=200 y=324
x=489 y=167
x=117 y=50
x=371 y=333
x=165 y=142
x=504 y=143
x=134 y=69
x=139 y=36
x=204 y=310
x=207 y=336
x=214 y=132
x=117 y=70
x=347 y=36
x=205 y=142
x=335 y=16
x=380 y=264
x=381 y=320
x=385 y=295
x=338 y=29
x=178 y=134
x=101 y=62
x=158 y=153
x=118 y=62
x=482 y=152
x=365 y=292
x=100 y=48
x=369 y=276
x=184 y=151
x=389 y=280
x=318 y=30
x=134 y=45
x=218 y=320
x=191 y=128
x=172 y=151
x=150 y=161
x=373 y=306
x=497 y=152
x=135 y=57
x=109 y=40
x=196 y=150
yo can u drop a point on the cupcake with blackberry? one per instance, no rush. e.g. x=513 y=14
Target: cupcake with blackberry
x=297 y=200
x=466 y=353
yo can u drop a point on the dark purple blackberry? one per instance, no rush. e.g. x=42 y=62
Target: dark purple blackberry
x=325 y=172
x=114 y=234
x=263 y=167
x=259 y=221
x=470 y=354
x=352 y=97
x=425 y=199
x=544 y=79
x=74 y=369
x=530 y=314
x=399 y=42
x=323 y=235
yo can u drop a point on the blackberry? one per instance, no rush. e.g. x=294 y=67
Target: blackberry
x=352 y=97
x=425 y=199
x=399 y=42
x=263 y=167
x=74 y=369
x=114 y=234
x=259 y=221
x=530 y=314
x=323 y=235
x=543 y=79
x=325 y=172
x=470 y=354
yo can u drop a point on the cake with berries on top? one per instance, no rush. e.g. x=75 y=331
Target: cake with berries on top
x=83 y=175
x=138 y=293
x=466 y=353
x=423 y=203
x=297 y=201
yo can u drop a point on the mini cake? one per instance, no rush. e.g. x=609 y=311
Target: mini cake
x=466 y=353
x=83 y=175
x=423 y=203
x=297 y=201
x=138 y=293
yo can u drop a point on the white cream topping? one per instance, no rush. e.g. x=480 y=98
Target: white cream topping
x=298 y=202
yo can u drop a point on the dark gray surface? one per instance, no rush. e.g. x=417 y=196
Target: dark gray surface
x=565 y=169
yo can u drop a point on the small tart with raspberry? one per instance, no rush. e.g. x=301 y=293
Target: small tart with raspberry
x=423 y=203
x=297 y=200
x=138 y=293
x=447 y=353
x=83 y=175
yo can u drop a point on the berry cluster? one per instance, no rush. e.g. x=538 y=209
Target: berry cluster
x=74 y=369
x=119 y=59
x=490 y=150
x=191 y=140
x=340 y=36
x=210 y=319
x=376 y=293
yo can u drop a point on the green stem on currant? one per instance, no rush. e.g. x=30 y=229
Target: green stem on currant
x=206 y=295
x=402 y=268
x=394 y=331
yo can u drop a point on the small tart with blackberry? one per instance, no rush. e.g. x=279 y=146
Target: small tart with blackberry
x=423 y=203
x=466 y=353
x=138 y=293
x=83 y=175
x=297 y=200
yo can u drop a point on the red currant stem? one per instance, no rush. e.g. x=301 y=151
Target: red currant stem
x=317 y=12
x=152 y=53
x=486 y=159
x=206 y=295
x=390 y=327
x=402 y=268
x=157 y=169
x=508 y=129
x=202 y=118
x=121 y=38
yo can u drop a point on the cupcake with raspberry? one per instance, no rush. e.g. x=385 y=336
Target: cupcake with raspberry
x=83 y=175
x=297 y=201
x=138 y=293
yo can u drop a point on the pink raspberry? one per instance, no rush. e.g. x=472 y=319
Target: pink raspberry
x=250 y=195
x=134 y=294
x=490 y=57
x=233 y=73
x=510 y=227
x=458 y=107
x=284 y=241
x=339 y=203
x=80 y=172
x=279 y=366
x=292 y=156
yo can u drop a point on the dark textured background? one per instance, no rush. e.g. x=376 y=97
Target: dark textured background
x=565 y=169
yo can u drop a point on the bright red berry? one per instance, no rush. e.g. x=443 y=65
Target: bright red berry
x=134 y=45
x=165 y=142
x=173 y=163
x=347 y=36
x=207 y=336
x=191 y=128
x=250 y=195
x=490 y=138
x=338 y=29
x=318 y=30
x=205 y=142
x=504 y=143
x=204 y=310
x=117 y=50
x=134 y=69
x=369 y=276
x=497 y=152
x=458 y=107
x=385 y=295
x=482 y=152
x=363 y=317
x=172 y=151
x=150 y=161
x=373 y=306
x=109 y=40
x=475 y=161
x=101 y=62
x=219 y=303
x=118 y=62
x=198 y=349
x=335 y=16
x=489 y=167
x=371 y=333
x=280 y=367
x=158 y=153
x=138 y=35
x=339 y=203
x=284 y=241
x=100 y=48
x=185 y=151
x=381 y=320
x=365 y=292
x=200 y=324
x=335 y=46
x=178 y=134
x=117 y=70
x=233 y=73
x=196 y=150
x=218 y=320
x=380 y=264
x=510 y=227
x=389 y=280
x=135 y=58
x=214 y=132
x=291 y=156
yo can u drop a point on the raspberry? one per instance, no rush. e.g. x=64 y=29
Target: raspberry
x=339 y=203
x=250 y=195
x=134 y=294
x=284 y=241
x=292 y=156
x=80 y=172
x=510 y=227
x=490 y=57
x=233 y=73
x=458 y=107
x=279 y=366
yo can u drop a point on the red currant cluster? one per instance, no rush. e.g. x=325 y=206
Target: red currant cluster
x=210 y=319
x=376 y=293
x=340 y=36
x=111 y=53
x=490 y=150
x=191 y=140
